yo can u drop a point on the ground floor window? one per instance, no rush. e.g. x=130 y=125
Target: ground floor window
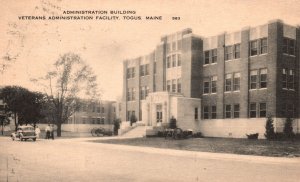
x=227 y=111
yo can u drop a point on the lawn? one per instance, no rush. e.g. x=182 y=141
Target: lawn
x=218 y=145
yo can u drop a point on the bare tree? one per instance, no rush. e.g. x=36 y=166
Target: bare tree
x=70 y=79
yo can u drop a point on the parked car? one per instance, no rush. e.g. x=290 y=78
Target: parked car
x=24 y=133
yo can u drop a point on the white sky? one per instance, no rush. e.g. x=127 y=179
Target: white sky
x=105 y=44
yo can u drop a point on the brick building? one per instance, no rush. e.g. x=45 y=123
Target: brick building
x=101 y=112
x=224 y=85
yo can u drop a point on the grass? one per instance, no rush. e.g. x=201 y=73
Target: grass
x=218 y=145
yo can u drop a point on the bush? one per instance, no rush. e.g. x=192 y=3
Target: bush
x=270 y=134
x=160 y=134
x=252 y=136
x=132 y=119
x=198 y=135
x=288 y=129
x=116 y=126
x=187 y=133
x=173 y=123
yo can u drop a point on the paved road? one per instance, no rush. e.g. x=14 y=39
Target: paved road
x=78 y=160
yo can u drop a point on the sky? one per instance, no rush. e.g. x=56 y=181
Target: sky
x=34 y=45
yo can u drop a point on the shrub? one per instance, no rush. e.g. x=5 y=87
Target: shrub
x=116 y=126
x=160 y=134
x=132 y=119
x=288 y=129
x=253 y=136
x=198 y=135
x=173 y=123
x=270 y=134
x=187 y=133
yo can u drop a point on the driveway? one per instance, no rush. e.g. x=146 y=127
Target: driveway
x=79 y=160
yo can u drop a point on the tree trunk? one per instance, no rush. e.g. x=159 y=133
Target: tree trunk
x=16 y=124
x=58 y=132
x=2 y=128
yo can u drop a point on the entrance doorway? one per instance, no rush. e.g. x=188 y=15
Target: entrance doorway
x=159 y=115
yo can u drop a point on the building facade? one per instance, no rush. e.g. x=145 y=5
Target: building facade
x=239 y=79
x=100 y=112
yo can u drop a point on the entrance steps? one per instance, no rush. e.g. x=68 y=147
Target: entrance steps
x=137 y=132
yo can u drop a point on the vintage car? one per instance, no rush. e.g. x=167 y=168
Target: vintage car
x=24 y=133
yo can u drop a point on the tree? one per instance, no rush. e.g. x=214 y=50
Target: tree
x=23 y=104
x=116 y=126
x=288 y=129
x=133 y=119
x=4 y=120
x=270 y=134
x=69 y=78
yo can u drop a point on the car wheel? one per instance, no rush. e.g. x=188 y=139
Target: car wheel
x=34 y=139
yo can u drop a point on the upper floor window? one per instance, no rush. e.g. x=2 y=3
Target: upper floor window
x=144 y=69
x=228 y=78
x=144 y=92
x=178 y=59
x=263 y=78
x=288 y=80
x=253 y=47
x=210 y=56
x=206 y=57
x=236 y=81
x=168 y=61
x=228 y=52
x=206 y=87
x=173 y=85
x=174 y=60
x=179 y=85
x=264 y=46
x=237 y=51
x=288 y=46
x=130 y=72
x=130 y=94
x=214 y=84
x=168 y=85
x=214 y=57
x=258 y=78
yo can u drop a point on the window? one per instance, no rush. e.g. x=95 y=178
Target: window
x=284 y=78
x=292 y=47
x=291 y=80
x=169 y=85
x=227 y=111
x=174 y=60
x=206 y=57
x=252 y=111
x=196 y=113
x=133 y=93
x=103 y=110
x=236 y=110
x=262 y=110
x=214 y=84
x=206 y=87
x=228 y=82
x=228 y=52
x=130 y=72
x=98 y=109
x=237 y=50
x=173 y=85
x=214 y=56
x=98 y=120
x=253 y=48
x=264 y=46
x=144 y=69
x=168 y=61
x=205 y=112
x=263 y=78
x=142 y=93
x=253 y=79
x=213 y=112
x=288 y=46
x=236 y=81
x=285 y=45
x=179 y=85
x=178 y=59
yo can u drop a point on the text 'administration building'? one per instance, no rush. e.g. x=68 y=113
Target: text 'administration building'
x=225 y=85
